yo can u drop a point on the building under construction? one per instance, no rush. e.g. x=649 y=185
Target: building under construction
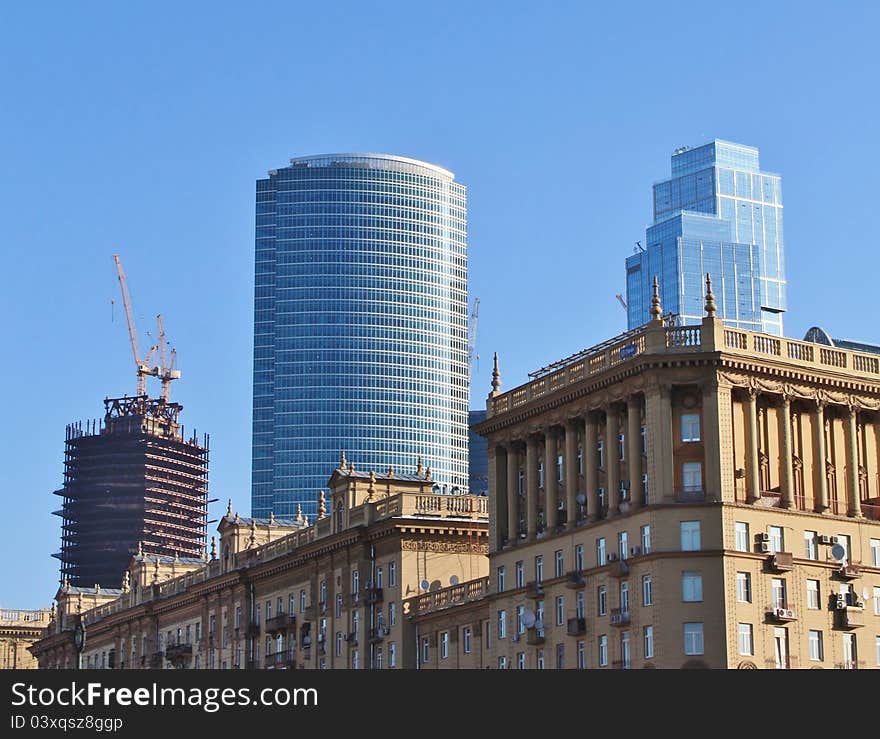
x=132 y=480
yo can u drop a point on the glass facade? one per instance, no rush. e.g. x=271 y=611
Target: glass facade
x=478 y=457
x=360 y=325
x=719 y=213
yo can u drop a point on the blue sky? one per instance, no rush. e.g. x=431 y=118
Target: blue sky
x=140 y=128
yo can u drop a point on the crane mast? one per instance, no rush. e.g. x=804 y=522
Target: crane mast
x=165 y=371
x=472 y=332
x=141 y=365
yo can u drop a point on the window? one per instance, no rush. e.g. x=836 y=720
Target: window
x=539 y=659
x=691 y=587
x=379 y=659
x=520 y=624
x=559 y=561
x=600 y=454
x=392 y=614
x=645 y=488
x=744 y=639
x=466 y=639
x=426 y=650
x=877 y=648
x=338 y=643
x=237 y=621
x=520 y=660
x=502 y=624
x=647 y=591
x=644 y=440
x=602 y=598
x=813 y=595
x=501 y=579
x=777 y=540
x=580 y=462
x=875 y=552
x=876 y=601
x=622 y=544
x=817 y=651
x=600 y=552
x=690 y=536
x=380 y=576
x=692 y=477
x=280 y=605
x=559 y=468
x=520 y=574
x=579 y=604
x=850 y=654
x=355 y=660
x=603 y=651
x=693 y=638
x=777 y=589
x=649 y=641
x=355 y=582
x=291 y=602
x=625 y=657
x=844 y=541
x=646 y=539
x=339 y=605
x=302 y=601
x=198 y=635
x=623 y=596
x=521 y=483
x=392 y=654
x=392 y=574
x=811 y=549
x=582 y=653
x=621 y=447
x=741 y=536
x=502 y=663
x=539 y=568
x=540 y=474
x=579 y=558
x=690 y=427
x=560 y=610
x=744 y=587
x=560 y=656
x=444 y=644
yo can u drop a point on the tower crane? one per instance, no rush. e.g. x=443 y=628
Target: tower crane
x=621 y=300
x=472 y=331
x=165 y=371
x=142 y=365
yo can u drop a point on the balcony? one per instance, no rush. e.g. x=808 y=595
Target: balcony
x=780 y=562
x=577 y=626
x=534 y=590
x=377 y=635
x=618 y=568
x=179 y=652
x=781 y=614
x=280 y=661
x=688 y=495
x=848 y=572
x=850 y=617
x=253 y=629
x=157 y=660
x=279 y=623
x=534 y=636
x=373 y=595
x=619 y=617
x=575 y=580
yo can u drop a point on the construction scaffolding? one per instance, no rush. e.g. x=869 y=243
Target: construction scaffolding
x=132 y=480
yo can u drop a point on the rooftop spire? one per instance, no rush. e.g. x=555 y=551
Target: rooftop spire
x=656 y=310
x=229 y=508
x=496 y=376
x=299 y=512
x=342 y=462
x=710 y=298
x=322 y=505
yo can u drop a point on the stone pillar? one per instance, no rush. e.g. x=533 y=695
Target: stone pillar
x=591 y=475
x=531 y=487
x=820 y=479
x=571 y=474
x=512 y=494
x=853 y=503
x=786 y=474
x=551 y=502
x=753 y=464
x=717 y=434
x=634 y=449
x=658 y=416
x=612 y=460
x=498 y=497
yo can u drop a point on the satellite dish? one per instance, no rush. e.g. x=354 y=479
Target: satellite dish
x=453 y=580
x=581 y=498
x=528 y=619
x=838 y=552
x=865 y=594
x=424 y=584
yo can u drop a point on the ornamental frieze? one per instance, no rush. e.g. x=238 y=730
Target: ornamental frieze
x=456 y=547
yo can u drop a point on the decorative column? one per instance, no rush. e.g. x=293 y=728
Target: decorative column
x=512 y=494
x=634 y=449
x=853 y=504
x=531 y=487
x=753 y=465
x=658 y=417
x=820 y=479
x=786 y=474
x=551 y=502
x=571 y=474
x=591 y=474
x=498 y=496
x=612 y=460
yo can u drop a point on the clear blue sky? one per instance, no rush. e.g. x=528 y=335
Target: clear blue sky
x=140 y=128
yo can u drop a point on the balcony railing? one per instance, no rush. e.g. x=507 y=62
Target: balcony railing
x=577 y=626
x=534 y=636
x=178 y=652
x=472 y=590
x=690 y=495
x=280 y=622
x=619 y=617
x=781 y=562
x=280 y=661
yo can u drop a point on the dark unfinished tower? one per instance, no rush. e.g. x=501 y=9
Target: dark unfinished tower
x=132 y=481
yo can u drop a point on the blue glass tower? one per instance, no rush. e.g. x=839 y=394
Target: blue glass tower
x=718 y=213
x=360 y=325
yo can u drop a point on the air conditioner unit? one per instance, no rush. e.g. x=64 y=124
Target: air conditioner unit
x=764 y=537
x=823 y=539
x=765 y=546
x=840 y=600
x=834 y=539
x=612 y=557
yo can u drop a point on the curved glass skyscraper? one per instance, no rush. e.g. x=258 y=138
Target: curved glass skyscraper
x=360 y=325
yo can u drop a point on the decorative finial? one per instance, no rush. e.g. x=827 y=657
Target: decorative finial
x=176 y=556
x=252 y=540
x=305 y=520
x=271 y=518
x=126 y=579
x=97 y=588
x=79 y=603
x=342 y=462
x=420 y=468
x=66 y=583
x=372 y=488
x=213 y=547
x=52 y=612
x=656 y=309
x=229 y=508
x=351 y=468
x=496 y=376
x=140 y=549
x=322 y=505
x=710 y=298
x=237 y=517
x=390 y=471
x=156 y=570
x=428 y=473
x=299 y=512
